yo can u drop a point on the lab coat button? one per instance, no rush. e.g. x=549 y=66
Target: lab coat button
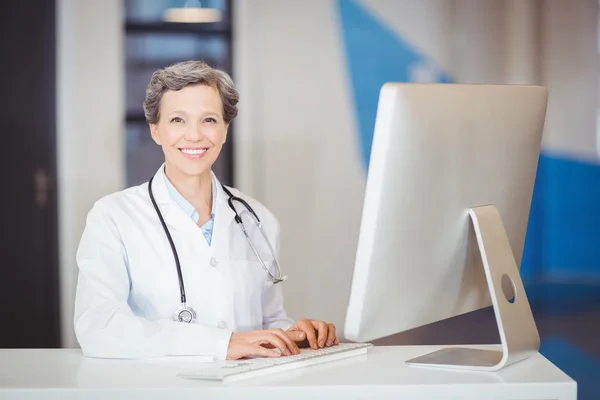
x=213 y=261
x=222 y=325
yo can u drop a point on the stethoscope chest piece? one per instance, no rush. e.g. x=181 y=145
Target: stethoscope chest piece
x=184 y=314
x=187 y=314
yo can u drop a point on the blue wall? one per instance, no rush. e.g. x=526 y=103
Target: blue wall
x=563 y=239
x=375 y=55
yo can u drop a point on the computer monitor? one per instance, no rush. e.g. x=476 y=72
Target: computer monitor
x=446 y=206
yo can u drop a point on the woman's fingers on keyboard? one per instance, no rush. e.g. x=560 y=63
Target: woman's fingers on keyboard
x=307 y=327
x=318 y=333
x=260 y=351
x=322 y=329
x=276 y=341
x=249 y=344
x=331 y=337
x=290 y=344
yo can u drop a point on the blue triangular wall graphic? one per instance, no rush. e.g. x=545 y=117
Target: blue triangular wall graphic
x=375 y=55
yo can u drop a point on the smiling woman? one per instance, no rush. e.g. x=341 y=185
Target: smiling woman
x=182 y=232
x=189 y=107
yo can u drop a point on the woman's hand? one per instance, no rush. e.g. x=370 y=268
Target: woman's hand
x=316 y=334
x=260 y=343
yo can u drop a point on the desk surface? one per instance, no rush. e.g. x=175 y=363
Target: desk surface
x=381 y=373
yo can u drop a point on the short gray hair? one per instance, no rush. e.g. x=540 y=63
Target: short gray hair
x=177 y=76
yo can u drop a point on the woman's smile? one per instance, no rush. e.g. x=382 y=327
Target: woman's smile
x=193 y=153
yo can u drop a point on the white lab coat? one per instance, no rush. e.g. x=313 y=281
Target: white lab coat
x=128 y=289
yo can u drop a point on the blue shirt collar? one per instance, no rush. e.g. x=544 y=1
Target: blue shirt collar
x=185 y=205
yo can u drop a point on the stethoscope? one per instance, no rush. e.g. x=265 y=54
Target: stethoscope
x=186 y=313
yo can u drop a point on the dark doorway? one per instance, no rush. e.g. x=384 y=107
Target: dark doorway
x=29 y=293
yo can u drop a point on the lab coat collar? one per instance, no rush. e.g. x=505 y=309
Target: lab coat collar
x=173 y=214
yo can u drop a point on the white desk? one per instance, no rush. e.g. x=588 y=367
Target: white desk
x=380 y=374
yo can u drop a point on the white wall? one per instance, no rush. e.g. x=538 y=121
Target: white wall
x=522 y=49
x=90 y=143
x=570 y=71
x=294 y=118
x=476 y=37
x=297 y=138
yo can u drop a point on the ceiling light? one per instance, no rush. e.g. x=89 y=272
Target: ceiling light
x=192 y=12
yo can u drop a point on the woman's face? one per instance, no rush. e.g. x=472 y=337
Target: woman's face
x=191 y=129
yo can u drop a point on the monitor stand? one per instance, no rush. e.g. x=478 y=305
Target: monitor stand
x=518 y=332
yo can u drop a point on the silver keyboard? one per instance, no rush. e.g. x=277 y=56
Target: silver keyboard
x=232 y=370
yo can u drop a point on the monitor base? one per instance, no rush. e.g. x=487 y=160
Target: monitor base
x=519 y=336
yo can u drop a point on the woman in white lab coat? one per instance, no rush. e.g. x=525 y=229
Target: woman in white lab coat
x=128 y=300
